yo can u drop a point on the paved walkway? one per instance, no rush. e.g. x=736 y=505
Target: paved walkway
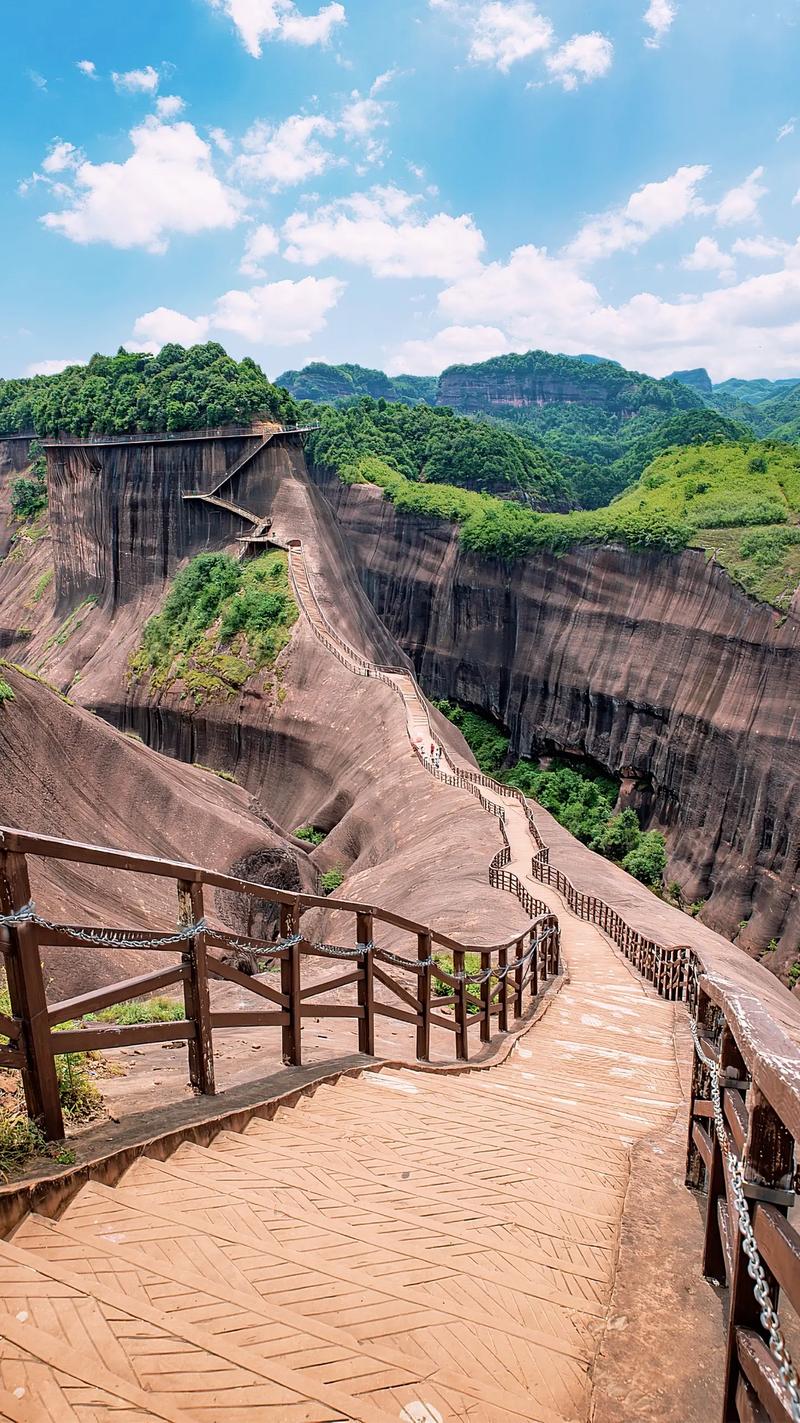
x=400 y=1246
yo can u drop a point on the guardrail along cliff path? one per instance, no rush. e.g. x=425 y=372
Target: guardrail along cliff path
x=417 y=1243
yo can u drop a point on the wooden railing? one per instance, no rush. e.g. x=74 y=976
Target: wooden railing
x=169 y=437
x=424 y=993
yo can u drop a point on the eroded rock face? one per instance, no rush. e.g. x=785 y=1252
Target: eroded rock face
x=654 y=666
x=472 y=392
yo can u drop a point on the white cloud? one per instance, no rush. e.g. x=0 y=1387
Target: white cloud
x=382 y=231
x=159 y=327
x=262 y=242
x=137 y=81
x=786 y=129
x=708 y=256
x=286 y=153
x=659 y=16
x=506 y=31
x=741 y=204
x=761 y=248
x=167 y=185
x=451 y=345
x=219 y=137
x=749 y=327
x=649 y=210
x=170 y=106
x=37 y=80
x=584 y=57
x=363 y=114
x=61 y=157
x=279 y=313
x=260 y=20
x=50 y=368
x=87 y=67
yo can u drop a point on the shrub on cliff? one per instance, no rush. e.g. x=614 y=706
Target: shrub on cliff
x=221 y=621
x=647 y=861
x=178 y=389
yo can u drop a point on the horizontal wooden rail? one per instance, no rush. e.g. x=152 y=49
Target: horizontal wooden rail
x=420 y=991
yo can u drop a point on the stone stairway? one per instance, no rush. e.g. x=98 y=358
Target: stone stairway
x=398 y=1246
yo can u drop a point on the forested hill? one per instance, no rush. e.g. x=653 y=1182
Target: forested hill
x=129 y=393
x=538 y=378
x=433 y=446
x=335 y=385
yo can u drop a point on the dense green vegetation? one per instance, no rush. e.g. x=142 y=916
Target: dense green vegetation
x=336 y=385
x=29 y=492
x=595 y=382
x=221 y=621
x=176 y=390
x=742 y=504
x=581 y=798
x=311 y=835
x=330 y=880
x=498 y=528
x=6 y=692
x=427 y=445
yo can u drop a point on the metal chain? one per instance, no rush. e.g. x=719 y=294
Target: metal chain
x=100 y=938
x=755 y=1268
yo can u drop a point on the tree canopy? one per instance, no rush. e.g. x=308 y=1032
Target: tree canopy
x=129 y=393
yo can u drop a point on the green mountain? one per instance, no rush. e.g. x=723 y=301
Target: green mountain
x=753 y=392
x=129 y=393
x=697 y=379
x=335 y=385
x=435 y=446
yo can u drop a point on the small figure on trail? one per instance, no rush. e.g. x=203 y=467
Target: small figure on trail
x=437 y=758
x=432 y=751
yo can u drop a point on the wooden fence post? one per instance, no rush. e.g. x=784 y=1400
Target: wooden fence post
x=699 y=1089
x=195 y=990
x=461 y=1006
x=366 y=986
x=534 y=946
x=519 y=973
x=291 y=1032
x=713 y=1253
x=768 y=1160
x=28 y=1000
x=486 y=1000
x=425 y=979
x=502 y=959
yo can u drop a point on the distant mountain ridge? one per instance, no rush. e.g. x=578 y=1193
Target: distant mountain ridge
x=335 y=385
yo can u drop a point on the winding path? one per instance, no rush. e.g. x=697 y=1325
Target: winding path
x=402 y=1245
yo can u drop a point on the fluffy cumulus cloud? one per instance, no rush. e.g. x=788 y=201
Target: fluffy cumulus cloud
x=61 y=157
x=708 y=256
x=649 y=210
x=501 y=33
x=452 y=344
x=287 y=153
x=278 y=313
x=383 y=231
x=137 y=81
x=740 y=204
x=745 y=327
x=761 y=249
x=87 y=67
x=258 y=21
x=167 y=185
x=504 y=33
x=658 y=17
x=263 y=242
x=581 y=59
x=169 y=106
x=156 y=328
x=365 y=114
x=51 y=368
x=273 y=314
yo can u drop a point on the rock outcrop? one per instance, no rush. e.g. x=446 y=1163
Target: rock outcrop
x=656 y=667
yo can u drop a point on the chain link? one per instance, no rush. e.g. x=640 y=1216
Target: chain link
x=101 y=938
x=755 y=1268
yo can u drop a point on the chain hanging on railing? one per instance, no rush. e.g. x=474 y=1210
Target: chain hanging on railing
x=755 y=1268
x=101 y=938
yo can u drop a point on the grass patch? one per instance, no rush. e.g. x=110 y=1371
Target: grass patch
x=221 y=622
x=223 y=775
x=6 y=691
x=41 y=585
x=310 y=834
x=331 y=880
x=140 y=1010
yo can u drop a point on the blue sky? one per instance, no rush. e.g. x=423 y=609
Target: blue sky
x=403 y=184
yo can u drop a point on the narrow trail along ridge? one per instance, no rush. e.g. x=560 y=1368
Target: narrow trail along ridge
x=401 y=1245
